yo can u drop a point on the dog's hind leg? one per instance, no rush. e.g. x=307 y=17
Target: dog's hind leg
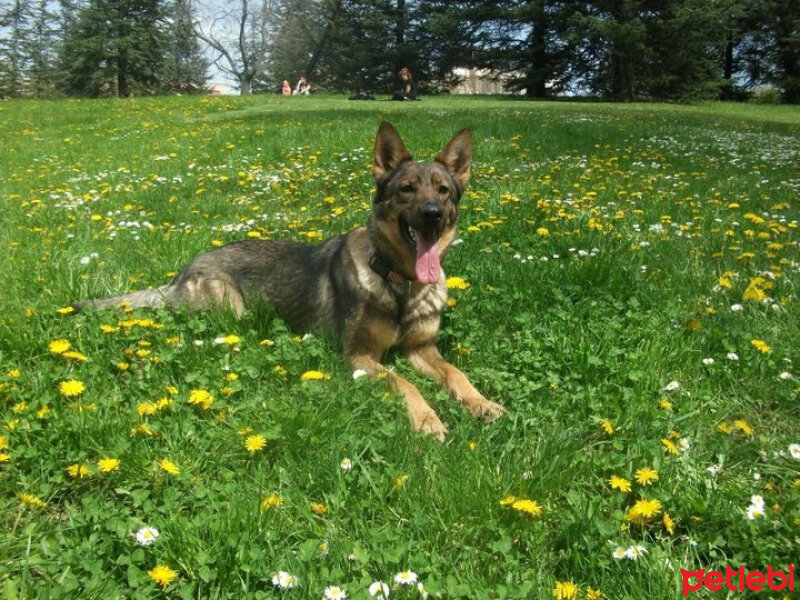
x=422 y=416
x=427 y=360
x=223 y=292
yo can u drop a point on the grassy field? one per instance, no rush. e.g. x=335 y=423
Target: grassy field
x=631 y=297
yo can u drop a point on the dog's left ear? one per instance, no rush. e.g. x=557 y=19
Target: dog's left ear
x=457 y=155
x=389 y=153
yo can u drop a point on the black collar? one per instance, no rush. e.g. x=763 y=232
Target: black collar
x=383 y=270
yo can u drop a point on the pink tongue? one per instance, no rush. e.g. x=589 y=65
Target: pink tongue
x=428 y=268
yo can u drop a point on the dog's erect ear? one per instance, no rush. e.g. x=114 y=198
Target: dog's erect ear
x=457 y=155
x=390 y=152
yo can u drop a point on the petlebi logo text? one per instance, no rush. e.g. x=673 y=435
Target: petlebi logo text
x=738 y=580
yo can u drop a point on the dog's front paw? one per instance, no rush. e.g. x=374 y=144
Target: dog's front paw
x=483 y=408
x=491 y=411
x=430 y=424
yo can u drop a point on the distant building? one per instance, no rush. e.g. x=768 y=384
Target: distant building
x=479 y=81
x=220 y=89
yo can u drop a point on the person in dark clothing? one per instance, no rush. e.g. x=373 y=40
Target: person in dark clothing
x=408 y=88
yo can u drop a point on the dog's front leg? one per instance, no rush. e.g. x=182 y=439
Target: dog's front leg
x=422 y=416
x=429 y=362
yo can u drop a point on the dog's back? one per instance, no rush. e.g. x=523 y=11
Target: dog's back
x=297 y=279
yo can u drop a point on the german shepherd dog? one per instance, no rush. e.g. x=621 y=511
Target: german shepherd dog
x=376 y=288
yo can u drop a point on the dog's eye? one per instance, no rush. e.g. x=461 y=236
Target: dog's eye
x=408 y=189
x=444 y=190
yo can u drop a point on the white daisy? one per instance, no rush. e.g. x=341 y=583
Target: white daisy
x=346 y=464
x=671 y=386
x=406 y=578
x=754 y=512
x=794 y=450
x=284 y=580
x=634 y=552
x=379 y=589
x=146 y=536
x=334 y=592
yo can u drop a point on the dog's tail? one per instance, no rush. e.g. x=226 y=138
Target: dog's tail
x=151 y=298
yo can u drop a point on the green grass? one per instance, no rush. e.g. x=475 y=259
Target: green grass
x=607 y=249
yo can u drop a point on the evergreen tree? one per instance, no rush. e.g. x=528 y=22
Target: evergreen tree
x=185 y=68
x=115 y=48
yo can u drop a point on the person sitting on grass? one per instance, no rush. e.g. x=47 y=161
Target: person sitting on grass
x=302 y=88
x=408 y=88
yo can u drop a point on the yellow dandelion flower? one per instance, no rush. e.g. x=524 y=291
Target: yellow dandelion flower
x=146 y=409
x=508 y=500
x=314 y=376
x=646 y=476
x=665 y=404
x=31 y=500
x=744 y=427
x=456 y=283
x=229 y=340
x=280 y=370
x=14 y=373
x=162 y=575
x=542 y=231
x=71 y=388
x=271 y=501
x=66 y=310
x=592 y=594
x=142 y=429
x=59 y=346
x=565 y=590
x=78 y=471
x=643 y=509
x=761 y=346
x=252 y=443
x=123 y=366
x=670 y=447
x=74 y=355
x=669 y=524
x=399 y=482
x=106 y=465
x=201 y=398
x=3 y=443
x=607 y=426
x=527 y=507
x=318 y=508
x=619 y=483
x=4 y=457
x=167 y=465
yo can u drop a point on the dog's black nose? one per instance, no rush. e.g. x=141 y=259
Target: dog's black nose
x=431 y=212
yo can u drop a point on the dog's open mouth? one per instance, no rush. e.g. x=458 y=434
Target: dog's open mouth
x=428 y=266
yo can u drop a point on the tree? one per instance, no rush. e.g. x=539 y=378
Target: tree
x=240 y=36
x=115 y=48
x=185 y=68
x=648 y=49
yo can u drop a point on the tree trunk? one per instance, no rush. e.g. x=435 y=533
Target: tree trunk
x=540 y=67
x=727 y=69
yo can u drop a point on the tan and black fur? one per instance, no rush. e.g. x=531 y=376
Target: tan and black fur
x=376 y=288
